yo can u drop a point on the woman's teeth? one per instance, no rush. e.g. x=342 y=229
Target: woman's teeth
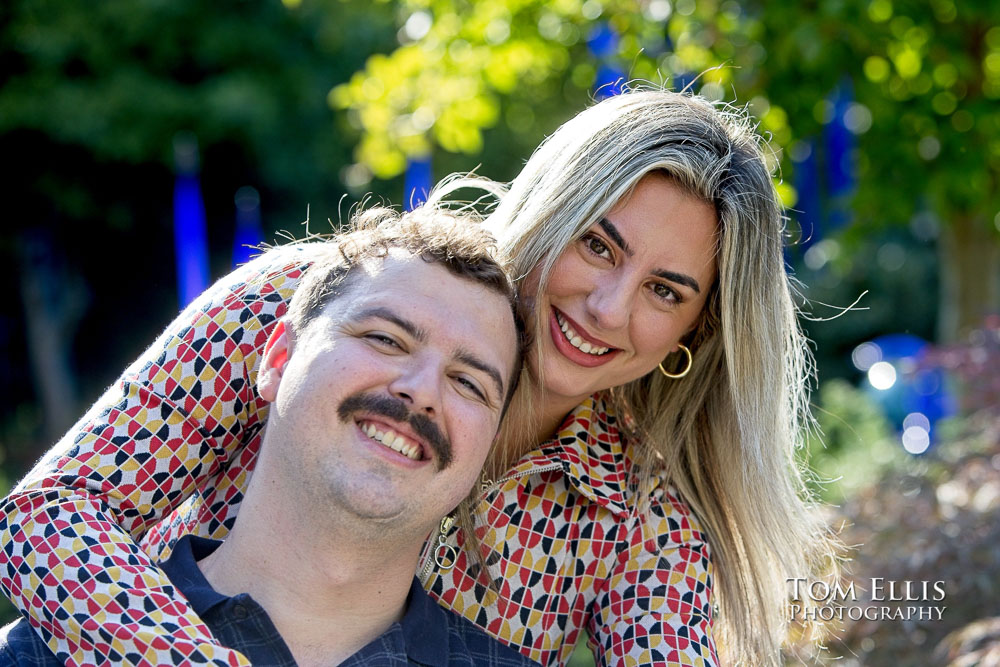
x=577 y=341
x=392 y=440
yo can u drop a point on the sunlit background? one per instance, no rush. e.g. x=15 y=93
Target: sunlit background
x=149 y=143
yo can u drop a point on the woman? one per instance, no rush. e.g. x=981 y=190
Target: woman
x=656 y=422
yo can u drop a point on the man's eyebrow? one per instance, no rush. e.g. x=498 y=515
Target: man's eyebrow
x=680 y=278
x=472 y=360
x=616 y=236
x=382 y=313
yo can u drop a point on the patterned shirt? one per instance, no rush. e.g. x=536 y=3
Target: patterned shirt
x=167 y=452
x=426 y=635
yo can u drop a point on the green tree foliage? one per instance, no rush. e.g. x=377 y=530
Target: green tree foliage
x=93 y=96
x=924 y=77
x=118 y=79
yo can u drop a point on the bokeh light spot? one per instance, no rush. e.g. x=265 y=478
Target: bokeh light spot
x=962 y=120
x=917 y=419
x=866 y=355
x=857 y=118
x=944 y=103
x=657 y=10
x=685 y=7
x=880 y=10
x=945 y=75
x=891 y=256
x=799 y=150
x=876 y=69
x=882 y=375
x=929 y=147
x=823 y=111
x=418 y=25
x=916 y=440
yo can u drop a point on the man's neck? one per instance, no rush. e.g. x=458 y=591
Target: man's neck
x=329 y=589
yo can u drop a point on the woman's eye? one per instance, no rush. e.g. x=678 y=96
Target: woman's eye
x=666 y=293
x=597 y=246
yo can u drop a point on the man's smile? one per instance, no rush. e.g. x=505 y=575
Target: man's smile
x=393 y=439
x=387 y=421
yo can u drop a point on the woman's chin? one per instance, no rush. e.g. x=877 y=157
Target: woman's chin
x=573 y=383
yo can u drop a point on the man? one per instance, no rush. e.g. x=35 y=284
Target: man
x=387 y=381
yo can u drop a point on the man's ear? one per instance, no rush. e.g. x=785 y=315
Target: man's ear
x=277 y=351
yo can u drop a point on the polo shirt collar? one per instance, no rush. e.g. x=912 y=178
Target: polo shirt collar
x=185 y=575
x=425 y=628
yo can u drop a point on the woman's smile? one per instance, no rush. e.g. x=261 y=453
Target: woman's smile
x=574 y=343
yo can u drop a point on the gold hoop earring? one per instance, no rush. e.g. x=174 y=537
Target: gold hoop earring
x=687 y=369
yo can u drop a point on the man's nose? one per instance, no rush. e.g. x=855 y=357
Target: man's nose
x=419 y=386
x=609 y=303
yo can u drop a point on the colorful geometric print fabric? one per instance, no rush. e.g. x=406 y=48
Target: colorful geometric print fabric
x=570 y=550
x=168 y=450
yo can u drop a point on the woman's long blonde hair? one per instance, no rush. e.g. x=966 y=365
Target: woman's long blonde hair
x=727 y=434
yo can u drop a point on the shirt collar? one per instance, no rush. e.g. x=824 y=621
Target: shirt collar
x=424 y=625
x=425 y=628
x=589 y=448
x=183 y=571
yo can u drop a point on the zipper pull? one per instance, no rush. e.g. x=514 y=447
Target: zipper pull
x=445 y=554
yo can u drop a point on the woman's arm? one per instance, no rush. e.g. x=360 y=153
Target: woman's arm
x=656 y=605
x=68 y=554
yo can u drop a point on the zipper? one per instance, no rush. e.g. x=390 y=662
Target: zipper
x=431 y=547
x=487 y=485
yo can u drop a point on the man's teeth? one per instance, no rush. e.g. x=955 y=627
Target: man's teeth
x=577 y=341
x=392 y=440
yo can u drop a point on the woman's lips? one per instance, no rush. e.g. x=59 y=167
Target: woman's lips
x=570 y=351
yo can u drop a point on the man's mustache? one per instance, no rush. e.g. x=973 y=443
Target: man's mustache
x=395 y=409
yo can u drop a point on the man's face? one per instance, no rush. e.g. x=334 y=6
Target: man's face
x=391 y=397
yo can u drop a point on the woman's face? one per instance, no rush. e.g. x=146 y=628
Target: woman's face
x=620 y=298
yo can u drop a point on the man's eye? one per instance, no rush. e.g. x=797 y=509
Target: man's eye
x=471 y=386
x=383 y=339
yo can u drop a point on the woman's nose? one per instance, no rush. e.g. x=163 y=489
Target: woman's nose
x=609 y=303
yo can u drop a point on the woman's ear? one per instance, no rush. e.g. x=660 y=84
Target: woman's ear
x=277 y=351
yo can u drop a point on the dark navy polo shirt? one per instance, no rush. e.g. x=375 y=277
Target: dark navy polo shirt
x=427 y=634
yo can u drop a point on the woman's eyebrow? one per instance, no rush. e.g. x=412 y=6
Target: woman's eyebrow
x=615 y=236
x=672 y=276
x=679 y=278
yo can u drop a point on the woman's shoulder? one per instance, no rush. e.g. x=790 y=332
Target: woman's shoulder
x=275 y=266
x=263 y=286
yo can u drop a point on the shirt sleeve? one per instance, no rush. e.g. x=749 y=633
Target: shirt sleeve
x=68 y=554
x=655 y=607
